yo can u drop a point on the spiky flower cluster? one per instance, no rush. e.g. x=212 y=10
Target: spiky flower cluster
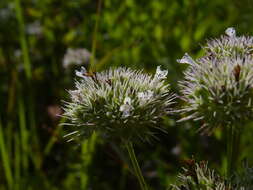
x=118 y=103
x=218 y=87
x=230 y=45
x=200 y=177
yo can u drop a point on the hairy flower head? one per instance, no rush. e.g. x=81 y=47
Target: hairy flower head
x=218 y=89
x=229 y=45
x=200 y=177
x=118 y=103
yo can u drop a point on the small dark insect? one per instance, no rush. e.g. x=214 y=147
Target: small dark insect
x=109 y=81
x=236 y=72
x=223 y=87
x=190 y=162
x=91 y=74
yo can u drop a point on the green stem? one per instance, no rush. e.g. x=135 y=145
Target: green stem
x=22 y=38
x=5 y=159
x=94 y=40
x=233 y=141
x=88 y=149
x=136 y=166
x=229 y=150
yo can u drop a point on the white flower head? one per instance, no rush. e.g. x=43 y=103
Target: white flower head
x=202 y=175
x=161 y=74
x=119 y=103
x=218 y=88
x=230 y=32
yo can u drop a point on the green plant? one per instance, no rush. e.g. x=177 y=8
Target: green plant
x=119 y=104
x=200 y=177
x=218 y=89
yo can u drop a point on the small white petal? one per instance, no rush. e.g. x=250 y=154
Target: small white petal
x=145 y=96
x=127 y=100
x=186 y=59
x=160 y=74
x=81 y=73
x=125 y=109
x=230 y=32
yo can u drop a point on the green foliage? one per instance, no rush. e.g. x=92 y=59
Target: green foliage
x=34 y=37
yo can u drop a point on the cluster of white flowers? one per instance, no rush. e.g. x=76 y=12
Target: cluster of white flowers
x=126 y=107
x=229 y=45
x=119 y=103
x=76 y=57
x=218 y=87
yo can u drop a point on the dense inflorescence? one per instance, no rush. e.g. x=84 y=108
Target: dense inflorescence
x=229 y=45
x=118 y=103
x=200 y=177
x=218 y=87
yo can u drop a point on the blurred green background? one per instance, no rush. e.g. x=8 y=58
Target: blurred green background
x=34 y=37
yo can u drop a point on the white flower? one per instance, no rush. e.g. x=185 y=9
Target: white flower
x=160 y=74
x=230 y=32
x=126 y=108
x=186 y=59
x=145 y=96
x=81 y=73
x=127 y=100
x=218 y=87
x=229 y=45
x=119 y=102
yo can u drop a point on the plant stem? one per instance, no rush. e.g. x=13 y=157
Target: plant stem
x=136 y=166
x=23 y=41
x=232 y=149
x=5 y=159
x=88 y=149
x=94 y=39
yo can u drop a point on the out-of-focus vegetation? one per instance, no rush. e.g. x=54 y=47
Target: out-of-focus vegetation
x=34 y=37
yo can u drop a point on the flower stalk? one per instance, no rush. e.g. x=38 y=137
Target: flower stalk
x=135 y=164
x=233 y=150
x=230 y=138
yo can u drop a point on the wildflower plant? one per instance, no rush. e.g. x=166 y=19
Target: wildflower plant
x=120 y=104
x=200 y=177
x=229 y=45
x=218 y=87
